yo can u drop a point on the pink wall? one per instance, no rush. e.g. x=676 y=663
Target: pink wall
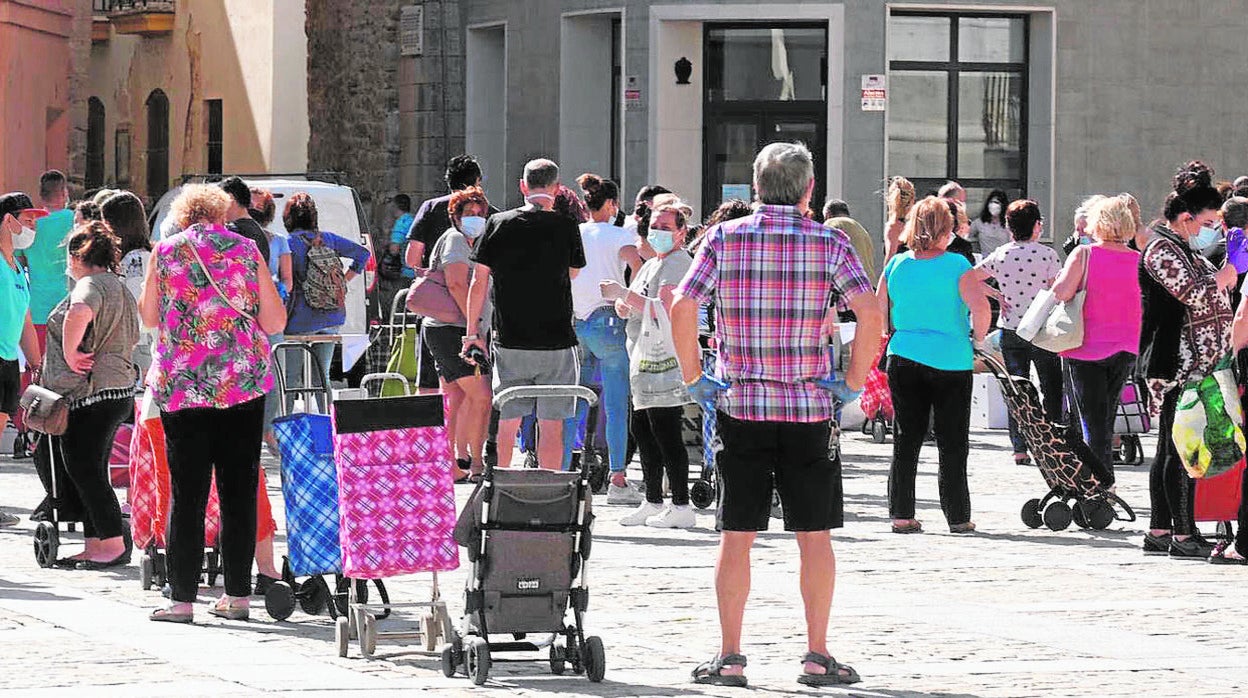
x=34 y=91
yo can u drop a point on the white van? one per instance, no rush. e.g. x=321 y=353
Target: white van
x=338 y=209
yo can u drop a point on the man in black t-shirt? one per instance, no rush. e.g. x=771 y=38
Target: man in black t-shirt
x=240 y=218
x=532 y=253
x=433 y=219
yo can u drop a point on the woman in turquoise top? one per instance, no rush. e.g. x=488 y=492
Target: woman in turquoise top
x=933 y=305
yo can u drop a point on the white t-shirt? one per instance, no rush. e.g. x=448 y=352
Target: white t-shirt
x=602 y=243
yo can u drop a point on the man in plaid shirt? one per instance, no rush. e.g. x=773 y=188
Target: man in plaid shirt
x=777 y=279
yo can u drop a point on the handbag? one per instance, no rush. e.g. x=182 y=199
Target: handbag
x=45 y=411
x=653 y=371
x=1207 y=433
x=1055 y=325
x=430 y=297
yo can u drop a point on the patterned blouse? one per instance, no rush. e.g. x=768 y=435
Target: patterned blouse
x=1206 y=336
x=207 y=355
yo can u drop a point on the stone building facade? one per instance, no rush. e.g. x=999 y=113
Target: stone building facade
x=388 y=121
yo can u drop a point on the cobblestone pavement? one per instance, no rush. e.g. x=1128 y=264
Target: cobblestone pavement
x=1007 y=612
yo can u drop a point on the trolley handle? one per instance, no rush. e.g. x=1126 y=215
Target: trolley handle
x=545 y=391
x=304 y=391
x=386 y=376
x=998 y=370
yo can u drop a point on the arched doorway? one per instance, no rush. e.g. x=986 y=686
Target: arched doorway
x=94 y=176
x=157 y=145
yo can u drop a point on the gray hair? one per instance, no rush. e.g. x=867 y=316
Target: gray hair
x=541 y=173
x=782 y=171
x=1081 y=213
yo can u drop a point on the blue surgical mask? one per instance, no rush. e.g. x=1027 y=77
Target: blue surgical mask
x=472 y=226
x=1205 y=237
x=1085 y=240
x=661 y=240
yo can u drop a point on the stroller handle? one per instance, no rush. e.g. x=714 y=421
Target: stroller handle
x=540 y=391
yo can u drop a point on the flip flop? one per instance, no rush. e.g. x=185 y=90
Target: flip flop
x=167 y=615
x=833 y=677
x=711 y=673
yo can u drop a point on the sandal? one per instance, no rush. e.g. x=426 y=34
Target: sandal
x=1229 y=556
x=968 y=527
x=711 y=673
x=224 y=608
x=169 y=615
x=834 y=675
x=912 y=527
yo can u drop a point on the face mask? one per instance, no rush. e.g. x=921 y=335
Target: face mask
x=662 y=240
x=1205 y=237
x=24 y=239
x=472 y=226
x=994 y=208
x=1085 y=240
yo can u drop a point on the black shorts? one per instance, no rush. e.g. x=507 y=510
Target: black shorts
x=793 y=458
x=10 y=387
x=444 y=343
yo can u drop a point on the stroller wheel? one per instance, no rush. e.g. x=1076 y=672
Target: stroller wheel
x=877 y=430
x=1100 y=515
x=279 y=601
x=594 y=657
x=342 y=634
x=1057 y=516
x=702 y=494
x=47 y=541
x=477 y=656
x=1031 y=514
x=558 y=660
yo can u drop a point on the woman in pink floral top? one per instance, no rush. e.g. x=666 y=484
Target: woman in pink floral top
x=213 y=304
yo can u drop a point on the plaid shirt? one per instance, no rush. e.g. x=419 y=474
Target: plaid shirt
x=773 y=275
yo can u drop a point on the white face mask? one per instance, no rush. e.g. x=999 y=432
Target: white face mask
x=994 y=208
x=472 y=226
x=24 y=239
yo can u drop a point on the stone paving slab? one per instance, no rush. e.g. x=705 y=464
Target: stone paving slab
x=1007 y=612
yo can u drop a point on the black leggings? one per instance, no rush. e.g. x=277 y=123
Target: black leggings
x=200 y=442
x=1170 y=490
x=84 y=490
x=919 y=391
x=662 y=447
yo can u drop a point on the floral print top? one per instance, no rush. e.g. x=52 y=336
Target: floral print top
x=207 y=354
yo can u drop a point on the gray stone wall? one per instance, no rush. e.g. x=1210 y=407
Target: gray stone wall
x=388 y=121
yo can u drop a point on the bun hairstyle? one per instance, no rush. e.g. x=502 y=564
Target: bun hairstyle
x=930 y=222
x=900 y=198
x=1193 y=191
x=598 y=191
x=94 y=244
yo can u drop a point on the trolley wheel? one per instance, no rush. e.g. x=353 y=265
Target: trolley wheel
x=1079 y=513
x=866 y=426
x=877 y=430
x=147 y=570
x=1031 y=514
x=160 y=568
x=477 y=659
x=279 y=601
x=342 y=634
x=430 y=628
x=368 y=634
x=314 y=597
x=1101 y=515
x=702 y=494
x=558 y=660
x=47 y=542
x=1057 y=516
x=599 y=469
x=594 y=657
x=449 y=665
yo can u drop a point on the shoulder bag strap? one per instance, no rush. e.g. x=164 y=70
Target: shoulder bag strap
x=215 y=287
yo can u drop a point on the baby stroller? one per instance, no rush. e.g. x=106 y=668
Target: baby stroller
x=527 y=534
x=877 y=402
x=1063 y=463
x=1131 y=420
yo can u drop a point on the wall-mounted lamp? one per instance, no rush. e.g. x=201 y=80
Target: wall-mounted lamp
x=683 y=70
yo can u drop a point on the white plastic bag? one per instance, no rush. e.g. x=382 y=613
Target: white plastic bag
x=653 y=371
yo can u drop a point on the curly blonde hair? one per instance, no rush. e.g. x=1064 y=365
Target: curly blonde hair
x=930 y=222
x=200 y=203
x=1110 y=220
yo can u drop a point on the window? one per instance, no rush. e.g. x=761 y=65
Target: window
x=215 y=135
x=157 y=145
x=958 y=101
x=94 y=177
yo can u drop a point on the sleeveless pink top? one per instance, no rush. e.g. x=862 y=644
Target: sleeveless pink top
x=1112 y=314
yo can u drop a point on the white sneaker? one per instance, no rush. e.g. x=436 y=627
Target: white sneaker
x=674 y=517
x=642 y=514
x=628 y=494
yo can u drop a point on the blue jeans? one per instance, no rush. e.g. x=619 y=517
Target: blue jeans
x=324 y=351
x=603 y=351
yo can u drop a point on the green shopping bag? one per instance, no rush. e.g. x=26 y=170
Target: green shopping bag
x=404 y=360
x=1207 y=432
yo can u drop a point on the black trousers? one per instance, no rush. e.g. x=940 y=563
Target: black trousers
x=1094 y=388
x=200 y=442
x=1020 y=355
x=84 y=490
x=662 y=447
x=918 y=391
x=1170 y=490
